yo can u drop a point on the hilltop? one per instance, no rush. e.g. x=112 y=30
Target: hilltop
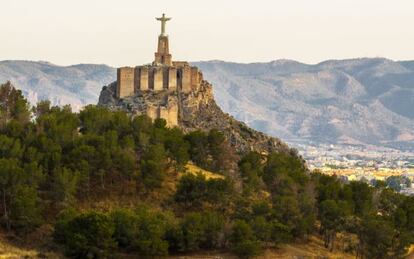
x=197 y=110
x=339 y=101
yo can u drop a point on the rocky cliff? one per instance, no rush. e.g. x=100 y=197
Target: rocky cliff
x=197 y=110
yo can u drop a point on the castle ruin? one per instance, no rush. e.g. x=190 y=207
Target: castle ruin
x=162 y=75
x=175 y=91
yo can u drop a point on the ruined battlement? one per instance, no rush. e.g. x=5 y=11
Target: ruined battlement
x=162 y=75
x=177 y=77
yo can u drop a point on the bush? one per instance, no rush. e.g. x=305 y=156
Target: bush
x=193 y=190
x=197 y=231
x=143 y=231
x=86 y=235
x=243 y=241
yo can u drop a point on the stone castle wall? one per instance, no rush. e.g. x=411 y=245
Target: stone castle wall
x=126 y=82
x=167 y=111
x=180 y=78
x=173 y=77
x=157 y=78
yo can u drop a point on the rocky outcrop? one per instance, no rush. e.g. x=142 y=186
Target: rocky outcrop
x=197 y=110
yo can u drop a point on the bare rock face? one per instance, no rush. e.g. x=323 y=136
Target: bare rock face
x=197 y=110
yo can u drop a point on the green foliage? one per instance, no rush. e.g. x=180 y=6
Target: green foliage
x=376 y=238
x=178 y=147
x=25 y=209
x=13 y=106
x=251 y=171
x=11 y=179
x=59 y=158
x=262 y=229
x=64 y=187
x=153 y=166
x=280 y=233
x=362 y=198
x=332 y=216
x=142 y=231
x=282 y=168
x=87 y=235
x=379 y=222
x=198 y=148
x=202 y=230
x=194 y=190
x=207 y=150
x=243 y=241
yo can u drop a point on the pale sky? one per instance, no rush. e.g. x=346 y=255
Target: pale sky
x=124 y=32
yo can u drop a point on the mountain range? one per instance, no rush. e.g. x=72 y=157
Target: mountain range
x=76 y=85
x=355 y=101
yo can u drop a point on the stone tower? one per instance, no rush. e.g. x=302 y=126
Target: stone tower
x=163 y=56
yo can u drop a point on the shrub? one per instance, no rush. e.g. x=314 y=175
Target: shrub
x=86 y=235
x=243 y=241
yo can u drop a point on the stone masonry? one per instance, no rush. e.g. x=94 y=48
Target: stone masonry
x=162 y=75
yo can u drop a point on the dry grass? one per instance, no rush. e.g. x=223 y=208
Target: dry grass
x=12 y=251
x=410 y=254
x=193 y=169
x=313 y=249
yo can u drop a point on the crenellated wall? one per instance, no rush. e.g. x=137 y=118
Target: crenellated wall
x=157 y=78
x=173 y=77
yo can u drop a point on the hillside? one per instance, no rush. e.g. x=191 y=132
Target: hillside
x=102 y=184
x=365 y=100
x=197 y=110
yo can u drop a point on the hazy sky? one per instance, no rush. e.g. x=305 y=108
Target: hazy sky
x=124 y=32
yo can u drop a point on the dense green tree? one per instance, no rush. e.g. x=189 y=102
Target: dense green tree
x=154 y=166
x=142 y=231
x=59 y=124
x=213 y=224
x=193 y=190
x=64 y=186
x=87 y=235
x=25 y=209
x=199 y=148
x=251 y=170
x=13 y=106
x=280 y=233
x=362 y=198
x=284 y=164
x=376 y=238
x=11 y=179
x=262 y=228
x=332 y=216
x=218 y=146
x=95 y=119
x=243 y=241
x=178 y=147
x=193 y=231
